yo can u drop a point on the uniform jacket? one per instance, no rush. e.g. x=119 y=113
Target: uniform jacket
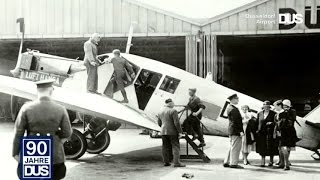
x=90 y=52
x=169 y=121
x=235 y=121
x=43 y=116
x=195 y=104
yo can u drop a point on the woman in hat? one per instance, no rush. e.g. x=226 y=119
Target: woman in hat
x=288 y=136
x=266 y=144
x=249 y=128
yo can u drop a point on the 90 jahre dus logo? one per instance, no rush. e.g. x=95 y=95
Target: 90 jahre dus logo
x=288 y=18
x=36 y=157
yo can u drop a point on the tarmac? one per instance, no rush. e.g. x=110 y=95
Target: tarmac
x=138 y=157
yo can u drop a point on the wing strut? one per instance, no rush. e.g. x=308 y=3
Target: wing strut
x=130 y=37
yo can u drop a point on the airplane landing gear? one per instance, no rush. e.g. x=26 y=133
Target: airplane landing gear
x=316 y=155
x=76 y=145
x=94 y=140
x=96 y=134
x=97 y=142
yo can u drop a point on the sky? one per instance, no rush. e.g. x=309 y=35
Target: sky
x=196 y=8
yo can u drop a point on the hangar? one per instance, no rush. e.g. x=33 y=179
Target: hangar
x=246 y=48
x=255 y=52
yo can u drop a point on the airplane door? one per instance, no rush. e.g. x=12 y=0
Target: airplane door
x=145 y=85
x=165 y=90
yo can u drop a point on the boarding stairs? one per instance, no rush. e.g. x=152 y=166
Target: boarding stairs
x=190 y=143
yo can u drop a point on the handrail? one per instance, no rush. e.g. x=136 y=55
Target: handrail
x=186 y=109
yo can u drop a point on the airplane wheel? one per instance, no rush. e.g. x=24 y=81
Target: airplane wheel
x=98 y=144
x=76 y=146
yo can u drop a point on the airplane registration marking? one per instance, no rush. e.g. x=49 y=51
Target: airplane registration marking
x=37 y=76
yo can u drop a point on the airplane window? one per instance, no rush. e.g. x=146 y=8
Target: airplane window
x=170 y=84
x=145 y=85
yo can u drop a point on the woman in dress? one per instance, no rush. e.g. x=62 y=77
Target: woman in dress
x=288 y=135
x=266 y=143
x=249 y=128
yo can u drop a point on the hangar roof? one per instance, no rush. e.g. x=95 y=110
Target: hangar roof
x=199 y=12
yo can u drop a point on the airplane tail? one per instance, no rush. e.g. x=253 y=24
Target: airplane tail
x=314 y=115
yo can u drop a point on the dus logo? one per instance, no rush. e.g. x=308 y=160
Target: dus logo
x=36 y=171
x=288 y=18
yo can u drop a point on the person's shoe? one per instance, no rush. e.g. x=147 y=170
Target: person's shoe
x=195 y=137
x=226 y=165
x=280 y=167
x=236 y=167
x=179 y=165
x=262 y=165
x=166 y=164
x=202 y=144
x=124 y=101
x=277 y=163
x=286 y=168
x=270 y=164
x=246 y=163
x=94 y=92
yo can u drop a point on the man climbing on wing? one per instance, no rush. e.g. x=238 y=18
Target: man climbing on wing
x=121 y=67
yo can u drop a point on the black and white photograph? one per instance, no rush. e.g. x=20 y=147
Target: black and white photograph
x=160 y=89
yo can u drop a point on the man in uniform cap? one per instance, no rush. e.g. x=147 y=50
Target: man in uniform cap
x=235 y=133
x=44 y=117
x=171 y=131
x=92 y=62
x=121 y=67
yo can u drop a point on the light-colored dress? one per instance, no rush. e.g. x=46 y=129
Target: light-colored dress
x=246 y=148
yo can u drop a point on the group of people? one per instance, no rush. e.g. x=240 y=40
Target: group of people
x=120 y=65
x=271 y=133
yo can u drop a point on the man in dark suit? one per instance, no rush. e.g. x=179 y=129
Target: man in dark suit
x=235 y=132
x=171 y=131
x=43 y=117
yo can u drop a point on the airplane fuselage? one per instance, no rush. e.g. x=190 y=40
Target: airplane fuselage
x=156 y=81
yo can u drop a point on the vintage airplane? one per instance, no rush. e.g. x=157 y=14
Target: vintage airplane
x=154 y=82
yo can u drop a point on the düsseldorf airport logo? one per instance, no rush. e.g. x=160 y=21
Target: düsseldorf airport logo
x=289 y=18
x=36 y=157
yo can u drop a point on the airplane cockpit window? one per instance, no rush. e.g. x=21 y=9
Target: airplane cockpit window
x=170 y=84
x=145 y=85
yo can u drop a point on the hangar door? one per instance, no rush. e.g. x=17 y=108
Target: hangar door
x=203 y=56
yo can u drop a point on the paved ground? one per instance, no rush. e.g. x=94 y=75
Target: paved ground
x=133 y=156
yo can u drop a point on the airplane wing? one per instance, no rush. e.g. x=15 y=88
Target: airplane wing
x=314 y=115
x=91 y=104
